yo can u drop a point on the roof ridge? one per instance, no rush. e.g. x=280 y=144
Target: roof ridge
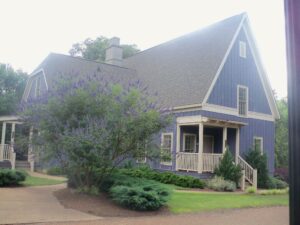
x=88 y=60
x=184 y=35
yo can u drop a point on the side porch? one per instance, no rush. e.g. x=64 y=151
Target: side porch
x=202 y=141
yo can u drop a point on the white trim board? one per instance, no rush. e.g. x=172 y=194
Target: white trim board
x=30 y=82
x=257 y=59
x=224 y=60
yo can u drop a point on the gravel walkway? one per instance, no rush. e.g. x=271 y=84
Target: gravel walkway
x=36 y=204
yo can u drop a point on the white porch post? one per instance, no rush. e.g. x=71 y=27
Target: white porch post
x=30 y=145
x=2 y=140
x=200 y=151
x=12 y=134
x=12 y=142
x=177 y=145
x=237 y=145
x=224 y=139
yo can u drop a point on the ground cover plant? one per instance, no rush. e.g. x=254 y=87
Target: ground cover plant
x=165 y=177
x=136 y=193
x=220 y=184
x=10 y=177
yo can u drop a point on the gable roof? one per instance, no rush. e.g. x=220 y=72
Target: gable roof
x=188 y=65
x=185 y=65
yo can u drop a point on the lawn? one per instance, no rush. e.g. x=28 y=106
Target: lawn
x=182 y=202
x=39 y=181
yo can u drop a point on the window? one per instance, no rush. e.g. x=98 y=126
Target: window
x=243 y=49
x=166 y=148
x=37 y=86
x=258 y=144
x=189 y=143
x=242 y=100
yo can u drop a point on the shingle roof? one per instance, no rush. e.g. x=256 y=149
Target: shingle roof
x=182 y=70
x=56 y=65
x=179 y=71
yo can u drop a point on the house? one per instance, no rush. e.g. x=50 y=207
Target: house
x=212 y=79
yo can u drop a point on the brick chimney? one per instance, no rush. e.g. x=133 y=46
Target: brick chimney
x=114 y=52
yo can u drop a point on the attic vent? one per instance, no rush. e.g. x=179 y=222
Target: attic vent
x=243 y=49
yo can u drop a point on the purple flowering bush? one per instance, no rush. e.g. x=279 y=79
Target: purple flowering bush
x=91 y=126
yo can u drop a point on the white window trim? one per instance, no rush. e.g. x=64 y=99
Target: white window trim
x=261 y=143
x=247 y=100
x=189 y=134
x=213 y=143
x=161 y=144
x=243 y=49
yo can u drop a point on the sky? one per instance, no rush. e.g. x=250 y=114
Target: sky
x=31 y=29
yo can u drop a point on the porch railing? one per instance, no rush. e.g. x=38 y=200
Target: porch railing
x=211 y=161
x=8 y=154
x=250 y=173
x=6 y=151
x=187 y=161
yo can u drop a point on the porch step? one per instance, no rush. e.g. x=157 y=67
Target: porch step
x=5 y=164
x=22 y=165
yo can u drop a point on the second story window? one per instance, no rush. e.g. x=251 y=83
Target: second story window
x=242 y=100
x=243 y=49
x=38 y=86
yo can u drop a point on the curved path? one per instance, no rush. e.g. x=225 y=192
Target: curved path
x=36 y=204
x=32 y=205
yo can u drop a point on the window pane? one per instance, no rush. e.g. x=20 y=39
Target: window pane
x=166 y=148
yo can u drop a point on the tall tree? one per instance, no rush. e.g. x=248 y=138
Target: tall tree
x=95 y=49
x=12 y=84
x=281 y=141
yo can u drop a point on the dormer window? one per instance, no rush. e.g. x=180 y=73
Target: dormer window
x=243 y=49
x=242 y=100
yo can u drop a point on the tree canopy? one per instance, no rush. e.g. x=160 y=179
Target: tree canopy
x=94 y=49
x=12 y=84
x=281 y=141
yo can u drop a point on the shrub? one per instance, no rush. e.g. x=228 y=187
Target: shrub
x=220 y=184
x=251 y=190
x=165 y=177
x=228 y=170
x=259 y=161
x=274 y=183
x=135 y=193
x=10 y=177
x=282 y=174
x=55 y=171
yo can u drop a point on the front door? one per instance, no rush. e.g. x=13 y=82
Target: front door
x=208 y=144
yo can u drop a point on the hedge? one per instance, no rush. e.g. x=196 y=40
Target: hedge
x=165 y=177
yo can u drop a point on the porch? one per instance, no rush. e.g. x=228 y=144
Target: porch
x=8 y=154
x=201 y=142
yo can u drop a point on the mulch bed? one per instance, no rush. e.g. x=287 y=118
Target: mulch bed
x=99 y=205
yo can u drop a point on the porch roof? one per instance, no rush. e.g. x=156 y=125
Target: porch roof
x=223 y=122
x=10 y=119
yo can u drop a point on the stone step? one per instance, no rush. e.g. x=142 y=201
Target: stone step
x=22 y=165
x=5 y=164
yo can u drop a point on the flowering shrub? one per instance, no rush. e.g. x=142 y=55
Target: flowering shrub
x=93 y=125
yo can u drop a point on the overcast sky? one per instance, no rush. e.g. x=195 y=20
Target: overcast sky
x=31 y=29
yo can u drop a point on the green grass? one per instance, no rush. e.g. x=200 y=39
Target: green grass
x=38 y=181
x=182 y=202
